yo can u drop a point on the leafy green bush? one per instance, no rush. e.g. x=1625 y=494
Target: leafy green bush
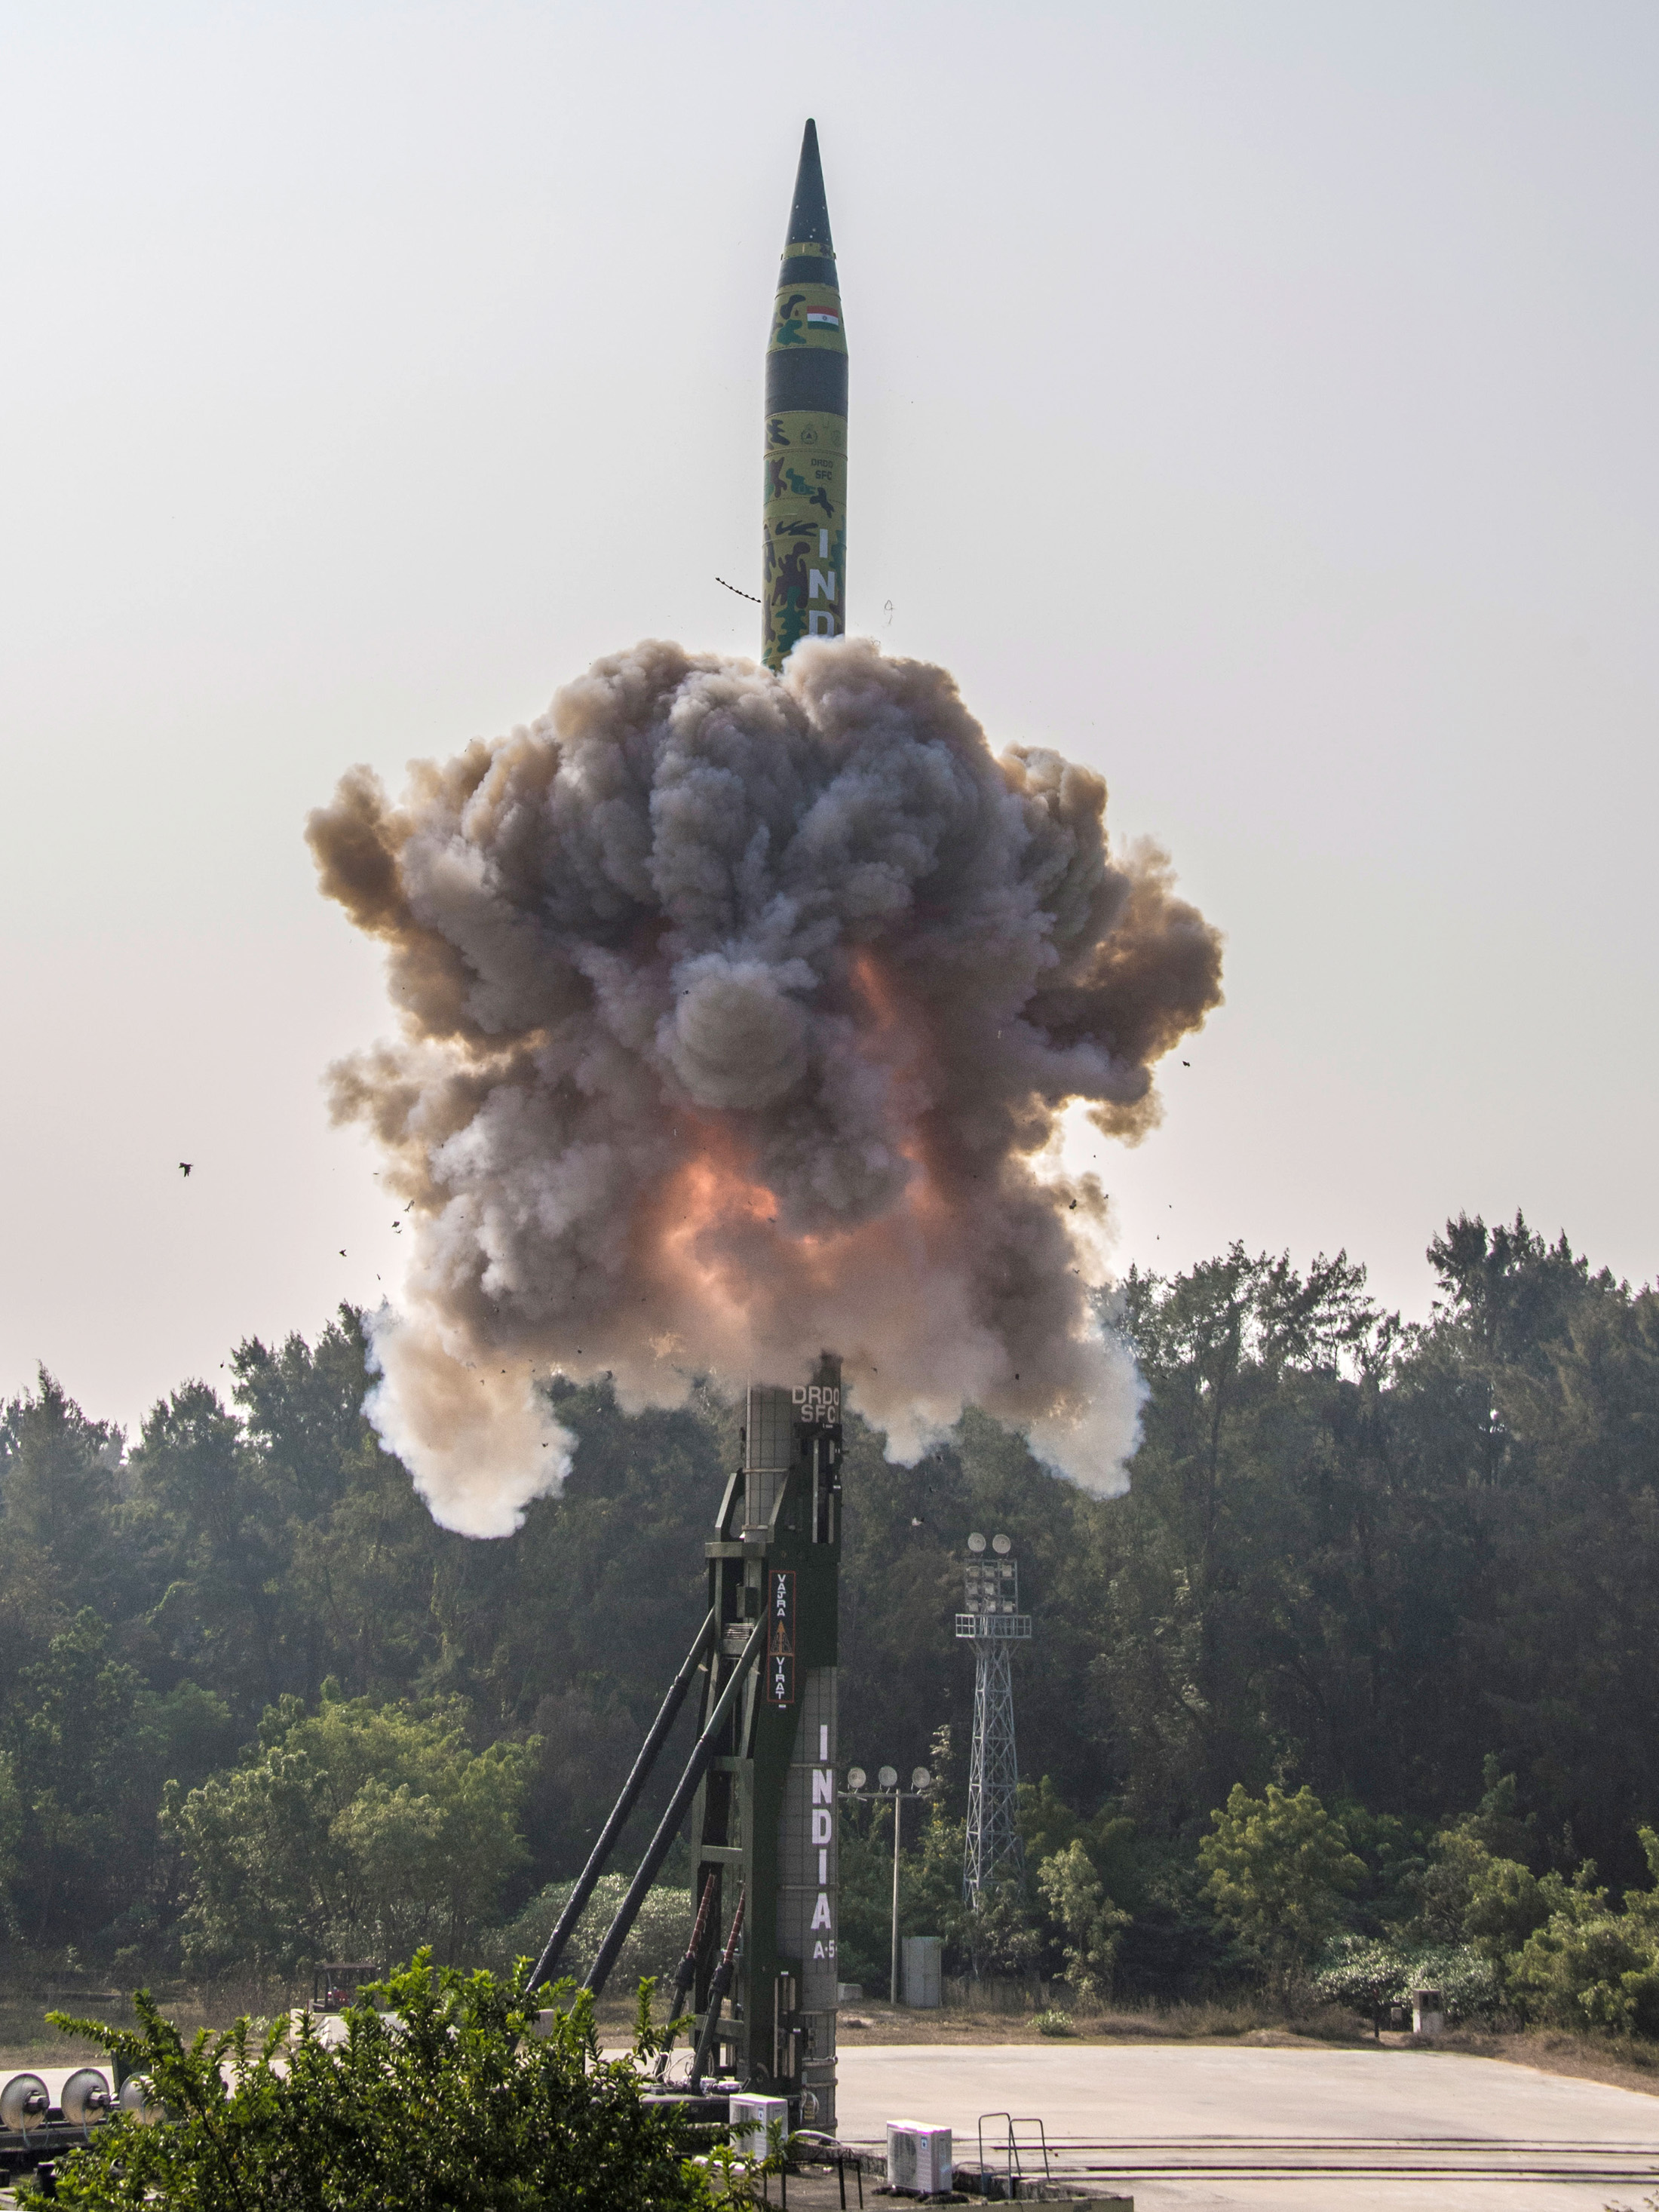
x=451 y=2098
x=1094 y=1926
x=656 y=1943
x=1371 y=1975
x=1054 y=2021
x=1368 y=1975
x=1588 y=1965
x=1469 y=1983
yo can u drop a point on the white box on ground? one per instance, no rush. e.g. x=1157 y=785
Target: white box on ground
x=924 y=1970
x=752 y=2120
x=918 y=2158
x=1428 y=2019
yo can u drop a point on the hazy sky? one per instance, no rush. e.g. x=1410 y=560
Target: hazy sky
x=1255 y=400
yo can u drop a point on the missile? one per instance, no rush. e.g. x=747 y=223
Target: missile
x=803 y=539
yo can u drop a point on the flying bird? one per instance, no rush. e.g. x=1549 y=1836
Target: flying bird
x=184 y=1166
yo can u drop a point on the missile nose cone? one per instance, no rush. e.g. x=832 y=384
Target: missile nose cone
x=809 y=218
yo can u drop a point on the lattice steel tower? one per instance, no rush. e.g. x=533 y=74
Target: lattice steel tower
x=992 y=1621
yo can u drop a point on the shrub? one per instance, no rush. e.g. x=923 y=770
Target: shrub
x=656 y=1943
x=1368 y=1976
x=1588 y=1966
x=1371 y=1975
x=1094 y=1926
x=450 y=2099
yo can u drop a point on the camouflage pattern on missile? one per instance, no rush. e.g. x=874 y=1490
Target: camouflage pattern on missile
x=803 y=549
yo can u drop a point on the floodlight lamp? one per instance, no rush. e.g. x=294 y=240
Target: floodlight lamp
x=921 y=1778
x=856 y=1778
x=1002 y=1546
x=976 y=1543
x=888 y=1777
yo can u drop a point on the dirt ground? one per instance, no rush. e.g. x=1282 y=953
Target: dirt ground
x=26 y=2039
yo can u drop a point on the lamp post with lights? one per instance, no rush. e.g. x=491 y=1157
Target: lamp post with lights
x=991 y=1622
x=921 y=1784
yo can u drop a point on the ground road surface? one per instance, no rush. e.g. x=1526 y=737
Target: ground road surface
x=1199 y=2127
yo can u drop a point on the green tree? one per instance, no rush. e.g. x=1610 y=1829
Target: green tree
x=59 y=1489
x=350 y=1831
x=11 y=1835
x=1253 y=1367
x=1001 y=1934
x=1586 y=1964
x=209 y=1512
x=1372 y=1974
x=1094 y=1926
x=1276 y=1870
x=1364 y=1972
x=468 y=2098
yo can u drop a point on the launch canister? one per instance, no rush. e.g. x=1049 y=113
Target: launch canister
x=804 y=549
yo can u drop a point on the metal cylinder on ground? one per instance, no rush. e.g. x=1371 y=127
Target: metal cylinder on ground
x=25 y=2101
x=85 y=2096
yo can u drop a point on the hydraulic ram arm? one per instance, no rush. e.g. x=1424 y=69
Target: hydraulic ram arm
x=577 y=1903
x=668 y=1827
x=688 y=1971
x=717 y=1989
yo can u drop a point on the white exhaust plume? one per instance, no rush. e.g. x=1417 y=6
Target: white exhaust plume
x=737 y=1012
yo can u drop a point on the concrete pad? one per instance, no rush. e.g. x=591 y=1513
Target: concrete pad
x=1202 y=2128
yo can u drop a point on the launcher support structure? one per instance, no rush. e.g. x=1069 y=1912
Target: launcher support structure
x=764 y=1816
x=760 y=1784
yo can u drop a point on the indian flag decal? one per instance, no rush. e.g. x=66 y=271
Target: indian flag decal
x=822 y=319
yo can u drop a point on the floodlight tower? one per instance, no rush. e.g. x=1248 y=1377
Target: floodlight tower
x=992 y=1621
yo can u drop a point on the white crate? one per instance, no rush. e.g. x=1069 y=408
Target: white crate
x=752 y=2117
x=918 y=2158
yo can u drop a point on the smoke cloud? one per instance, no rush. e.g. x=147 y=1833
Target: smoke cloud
x=737 y=1013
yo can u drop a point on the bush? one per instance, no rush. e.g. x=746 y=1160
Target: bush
x=1590 y=1967
x=1470 y=1985
x=1367 y=1976
x=1094 y=1926
x=656 y=1943
x=1054 y=2022
x=1371 y=1975
x=449 y=2100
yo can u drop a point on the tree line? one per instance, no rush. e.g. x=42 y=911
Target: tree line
x=255 y=1707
